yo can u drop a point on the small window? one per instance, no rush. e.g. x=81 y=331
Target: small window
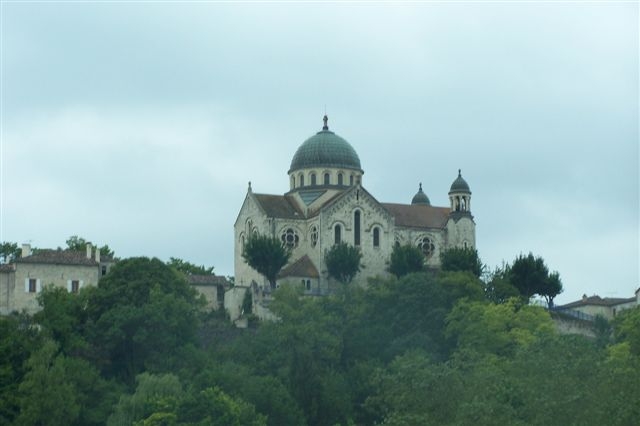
x=340 y=179
x=351 y=180
x=337 y=234
x=301 y=180
x=313 y=179
x=103 y=269
x=75 y=286
x=308 y=286
x=376 y=237
x=293 y=182
x=327 y=179
x=33 y=285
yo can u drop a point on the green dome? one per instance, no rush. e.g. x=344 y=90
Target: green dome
x=421 y=198
x=325 y=149
x=460 y=185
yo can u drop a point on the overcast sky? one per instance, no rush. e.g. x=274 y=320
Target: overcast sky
x=139 y=125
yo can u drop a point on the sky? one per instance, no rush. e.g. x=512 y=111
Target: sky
x=140 y=124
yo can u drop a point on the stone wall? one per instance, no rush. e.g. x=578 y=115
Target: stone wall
x=45 y=275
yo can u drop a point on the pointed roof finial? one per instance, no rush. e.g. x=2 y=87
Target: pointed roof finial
x=249 y=186
x=420 y=188
x=325 y=119
x=459 y=172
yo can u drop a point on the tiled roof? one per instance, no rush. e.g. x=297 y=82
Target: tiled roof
x=278 y=206
x=598 y=301
x=58 y=257
x=418 y=216
x=197 y=279
x=302 y=267
x=7 y=267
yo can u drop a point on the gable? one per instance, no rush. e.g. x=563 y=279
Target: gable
x=302 y=267
x=357 y=195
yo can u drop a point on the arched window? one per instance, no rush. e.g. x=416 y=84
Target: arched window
x=351 y=180
x=337 y=238
x=293 y=182
x=313 y=236
x=426 y=246
x=376 y=237
x=327 y=179
x=301 y=179
x=313 y=179
x=290 y=238
x=340 y=179
x=356 y=228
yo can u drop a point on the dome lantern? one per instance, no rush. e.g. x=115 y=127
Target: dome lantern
x=420 y=198
x=460 y=195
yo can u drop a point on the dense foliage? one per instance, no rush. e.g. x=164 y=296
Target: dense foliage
x=461 y=259
x=343 y=262
x=406 y=259
x=422 y=349
x=189 y=268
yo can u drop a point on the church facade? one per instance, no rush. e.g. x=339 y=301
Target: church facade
x=328 y=204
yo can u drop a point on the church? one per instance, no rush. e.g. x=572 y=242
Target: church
x=326 y=204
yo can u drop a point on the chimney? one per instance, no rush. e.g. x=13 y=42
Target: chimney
x=98 y=254
x=26 y=250
x=89 y=250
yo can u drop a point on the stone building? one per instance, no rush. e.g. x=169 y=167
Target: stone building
x=212 y=287
x=327 y=203
x=588 y=307
x=22 y=280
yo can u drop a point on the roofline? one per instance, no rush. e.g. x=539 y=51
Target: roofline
x=328 y=166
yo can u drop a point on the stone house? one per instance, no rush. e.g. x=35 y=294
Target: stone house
x=22 y=280
x=212 y=287
x=326 y=204
x=591 y=306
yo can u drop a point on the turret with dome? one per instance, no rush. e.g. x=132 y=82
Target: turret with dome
x=327 y=204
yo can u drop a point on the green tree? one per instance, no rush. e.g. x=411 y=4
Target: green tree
x=550 y=288
x=530 y=276
x=498 y=288
x=46 y=394
x=343 y=262
x=414 y=390
x=266 y=255
x=77 y=243
x=19 y=340
x=406 y=259
x=626 y=327
x=188 y=267
x=63 y=317
x=214 y=407
x=461 y=259
x=155 y=396
x=487 y=328
x=140 y=317
x=9 y=251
